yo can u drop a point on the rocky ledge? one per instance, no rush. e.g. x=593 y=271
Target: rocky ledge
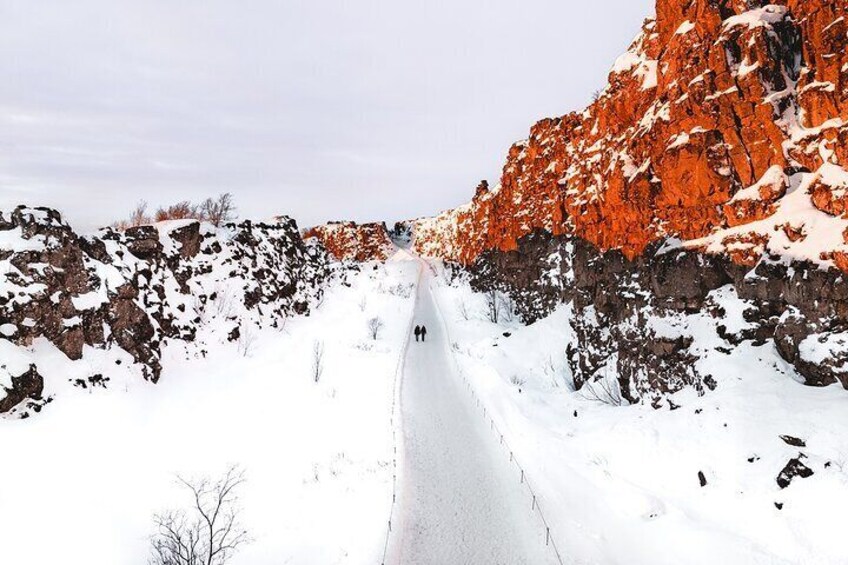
x=127 y=294
x=697 y=207
x=651 y=320
x=349 y=241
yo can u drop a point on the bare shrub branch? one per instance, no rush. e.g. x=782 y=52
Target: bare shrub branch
x=139 y=217
x=604 y=389
x=246 y=340
x=220 y=210
x=184 y=210
x=206 y=533
x=317 y=360
x=463 y=310
x=493 y=306
x=217 y=211
x=374 y=327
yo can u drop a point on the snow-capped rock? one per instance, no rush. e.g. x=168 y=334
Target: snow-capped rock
x=178 y=281
x=714 y=161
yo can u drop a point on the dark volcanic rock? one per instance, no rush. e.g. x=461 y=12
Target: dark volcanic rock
x=29 y=385
x=613 y=298
x=794 y=468
x=143 y=242
x=189 y=238
x=793 y=441
x=137 y=290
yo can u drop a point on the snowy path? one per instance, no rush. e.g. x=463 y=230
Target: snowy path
x=459 y=499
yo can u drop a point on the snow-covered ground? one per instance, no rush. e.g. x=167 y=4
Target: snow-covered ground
x=621 y=485
x=460 y=500
x=80 y=482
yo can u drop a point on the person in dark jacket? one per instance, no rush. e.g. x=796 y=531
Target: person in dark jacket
x=417 y=332
x=423 y=333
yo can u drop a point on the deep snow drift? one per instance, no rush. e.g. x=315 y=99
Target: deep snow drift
x=81 y=480
x=621 y=485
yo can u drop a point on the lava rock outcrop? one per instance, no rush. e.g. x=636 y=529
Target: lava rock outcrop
x=136 y=291
x=349 y=241
x=710 y=171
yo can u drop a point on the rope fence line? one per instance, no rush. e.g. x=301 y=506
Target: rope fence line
x=394 y=417
x=535 y=506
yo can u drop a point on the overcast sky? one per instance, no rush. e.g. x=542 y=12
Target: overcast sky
x=320 y=109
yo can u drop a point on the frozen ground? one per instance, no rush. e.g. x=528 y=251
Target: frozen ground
x=460 y=500
x=79 y=482
x=620 y=485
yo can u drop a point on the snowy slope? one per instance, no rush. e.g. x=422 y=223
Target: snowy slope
x=87 y=474
x=622 y=484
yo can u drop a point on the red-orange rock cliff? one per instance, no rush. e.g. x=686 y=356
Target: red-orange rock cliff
x=349 y=241
x=721 y=119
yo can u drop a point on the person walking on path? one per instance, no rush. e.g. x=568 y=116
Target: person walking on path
x=417 y=332
x=423 y=333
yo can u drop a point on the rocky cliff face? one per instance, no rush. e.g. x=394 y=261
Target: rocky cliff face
x=349 y=241
x=83 y=306
x=716 y=116
x=703 y=191
x=654 y=323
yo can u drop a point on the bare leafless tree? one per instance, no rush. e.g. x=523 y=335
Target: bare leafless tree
x=246 y=340
x=463 y=310
x=317 y=360
x=218 y=211
x=507 y=308
x=604 y=388
x=517 y=381
x=374 y=327
x=493 y=305
x=139 y=216
x=209 y=532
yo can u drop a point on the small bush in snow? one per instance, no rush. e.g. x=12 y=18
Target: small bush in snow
x=208 y=531
x=499 y=307
x=507 y=308
x=374 y=327
x=517 y=381
x=246 y=340
x=493 y=306
x=463 y=310
x=180 y=211
x=217 y=211
x=317 y=360
x=604 y=389
x=555 y=373
x=399 y=290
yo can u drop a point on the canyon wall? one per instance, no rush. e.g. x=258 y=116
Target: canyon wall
x=91 y=306
x=704 y=190
x=714 y=117
x=349 y=241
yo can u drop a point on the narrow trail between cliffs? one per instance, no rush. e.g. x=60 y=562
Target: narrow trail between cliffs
x=460 y=502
